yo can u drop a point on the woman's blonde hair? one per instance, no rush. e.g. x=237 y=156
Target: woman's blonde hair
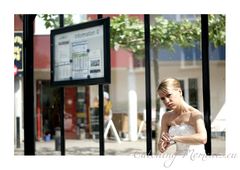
x=168 y=83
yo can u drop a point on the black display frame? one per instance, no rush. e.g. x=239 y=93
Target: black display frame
x=106 y=78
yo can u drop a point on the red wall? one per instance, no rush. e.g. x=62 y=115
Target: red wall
x=18 y=24
x=121 y=59
x=42 y=52
x=70 y=98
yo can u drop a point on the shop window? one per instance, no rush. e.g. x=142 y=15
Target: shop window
x=190 y=91
x=193 y=92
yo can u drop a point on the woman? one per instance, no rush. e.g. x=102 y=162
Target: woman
x=183 y=125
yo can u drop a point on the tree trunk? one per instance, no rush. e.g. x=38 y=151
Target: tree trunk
x=157 y=100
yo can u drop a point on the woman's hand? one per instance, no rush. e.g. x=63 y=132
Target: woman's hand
x=164 y=142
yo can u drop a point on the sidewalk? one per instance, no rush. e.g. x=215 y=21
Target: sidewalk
x=91 y=147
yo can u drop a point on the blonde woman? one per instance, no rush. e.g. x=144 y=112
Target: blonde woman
x=182 y=125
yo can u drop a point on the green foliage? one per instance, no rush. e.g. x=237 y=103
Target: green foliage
x=164 y=33
x=188 y=32
x=128 y=32
x=217 y=31
x=68 y=19
x=52 y=20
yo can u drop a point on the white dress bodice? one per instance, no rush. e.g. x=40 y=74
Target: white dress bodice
x=181 y=148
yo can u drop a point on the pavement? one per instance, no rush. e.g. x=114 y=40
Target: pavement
x=112 y=147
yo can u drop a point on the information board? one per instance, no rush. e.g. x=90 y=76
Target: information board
x=80 y=54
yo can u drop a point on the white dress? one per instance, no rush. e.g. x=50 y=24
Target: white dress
x=181 y=148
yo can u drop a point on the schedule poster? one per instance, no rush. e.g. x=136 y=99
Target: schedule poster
x=79 y=54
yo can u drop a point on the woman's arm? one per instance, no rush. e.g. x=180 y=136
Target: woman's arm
x=164 y=141
x=200 y=137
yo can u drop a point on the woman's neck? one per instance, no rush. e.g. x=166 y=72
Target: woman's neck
x=182 y=108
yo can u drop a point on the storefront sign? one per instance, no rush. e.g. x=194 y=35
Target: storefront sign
x=80 y=54
x=18 y=53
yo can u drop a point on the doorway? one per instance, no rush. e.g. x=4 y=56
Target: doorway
x=48 y=109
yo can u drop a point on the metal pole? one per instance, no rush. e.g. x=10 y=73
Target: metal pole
x=206 y=83
x=101 y=120
x=18 y=131
x=101 y=116
x=29 y=134
x=148 y=83
x=99 y=16
x=61 y=21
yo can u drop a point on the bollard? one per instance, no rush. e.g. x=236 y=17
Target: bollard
x=57 y=139
x=82 y=134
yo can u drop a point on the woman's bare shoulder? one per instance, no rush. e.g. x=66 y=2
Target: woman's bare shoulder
x=166 y=119
x=167 y=115
x=196 y=113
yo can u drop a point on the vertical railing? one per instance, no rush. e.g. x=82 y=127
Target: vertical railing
x=148 y=83
x=29 y=133
x=61 y=23
x=206 y=83
x=101 y=116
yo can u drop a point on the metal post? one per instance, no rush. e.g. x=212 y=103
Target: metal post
x=101 y=116
x=99 y=16
x=101 y=120
x=61 y=21
x=148 y=83
x=29 y=135
x=18 y=131
x=206 y=83
x=62 y=121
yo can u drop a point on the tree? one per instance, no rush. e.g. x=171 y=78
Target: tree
x=217 y=31
x=128 y=32
x=52 y=20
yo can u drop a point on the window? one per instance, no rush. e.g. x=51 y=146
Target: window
x=190 y=91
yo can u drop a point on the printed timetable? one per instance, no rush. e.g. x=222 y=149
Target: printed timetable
x=80 y=54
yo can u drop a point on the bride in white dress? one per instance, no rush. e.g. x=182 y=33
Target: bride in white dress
x=183 y=125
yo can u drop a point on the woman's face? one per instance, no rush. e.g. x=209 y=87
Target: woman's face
x=171 y=97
